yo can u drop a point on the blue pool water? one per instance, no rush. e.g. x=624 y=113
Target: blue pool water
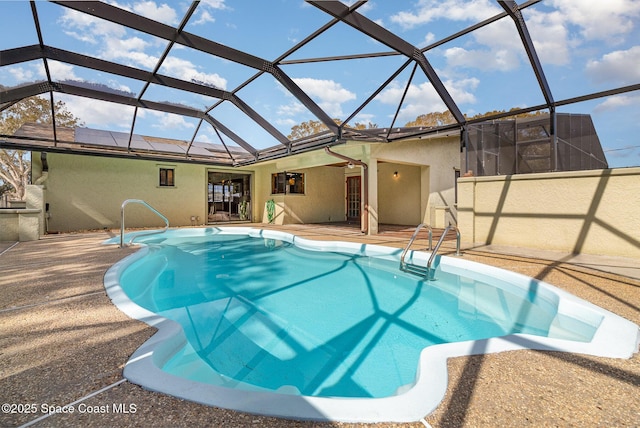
x=263 y=314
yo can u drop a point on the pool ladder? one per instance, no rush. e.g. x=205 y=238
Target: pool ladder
x=141 y=202
x=427 y=272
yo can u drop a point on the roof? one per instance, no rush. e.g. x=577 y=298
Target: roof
x=226 y=91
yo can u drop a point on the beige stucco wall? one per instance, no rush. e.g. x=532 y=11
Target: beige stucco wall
x=425 y=180
x=20 y=224
x=86 y=192
x=24 y=224
x=430 y=164
x=323 y=200
x=591 y=212
x=399 y=196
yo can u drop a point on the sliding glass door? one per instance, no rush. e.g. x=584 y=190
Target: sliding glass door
x=229 y=197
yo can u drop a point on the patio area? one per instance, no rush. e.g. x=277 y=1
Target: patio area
x=62 y=342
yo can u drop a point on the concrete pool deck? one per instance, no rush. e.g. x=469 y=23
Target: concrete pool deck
x=62 y=341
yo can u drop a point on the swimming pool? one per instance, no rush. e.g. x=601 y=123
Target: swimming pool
x=233 y=307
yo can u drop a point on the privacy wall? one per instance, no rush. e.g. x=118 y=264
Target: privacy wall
x=591 y=212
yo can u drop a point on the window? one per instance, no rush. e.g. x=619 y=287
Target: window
x=167 y=177
x=287 y=182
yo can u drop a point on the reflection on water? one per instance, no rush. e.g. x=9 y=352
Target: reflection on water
x=264 y=314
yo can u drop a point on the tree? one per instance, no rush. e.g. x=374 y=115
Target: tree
x=432 y=119
x=312 y=127
x=306 y=129
x=15 y=165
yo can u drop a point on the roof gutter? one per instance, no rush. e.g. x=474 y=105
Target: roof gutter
x=364 y=200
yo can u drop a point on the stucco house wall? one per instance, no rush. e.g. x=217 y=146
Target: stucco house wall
x=86 y=192
x=436 y=159
x=425 y=179
x=399 y=194
x=323 y=200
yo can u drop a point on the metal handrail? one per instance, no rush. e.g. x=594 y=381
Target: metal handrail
x=413 y=238
x=139 y=201
x=430 y=271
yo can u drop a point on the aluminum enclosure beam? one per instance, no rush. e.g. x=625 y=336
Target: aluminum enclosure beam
x=512 y=8
x=370 y=28
x=131 y=20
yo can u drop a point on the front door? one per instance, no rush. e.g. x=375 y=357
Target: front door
x=353 y=199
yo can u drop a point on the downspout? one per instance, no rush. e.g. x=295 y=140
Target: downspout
x=45 y=169
x=40 y=182
x=364 y=203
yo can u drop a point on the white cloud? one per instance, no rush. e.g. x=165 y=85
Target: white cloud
x=203 y=13
x=556 y=33
x=61 y=71
x=597 y=19
x=206 y=137
x=161 y=13
x=456 y=10
x=21 y=74
x=288 y=122
x=291 y=110
x=550 y=36
x=186 y=70
x=118 y=85
x=88 y=29
x=429 y=38
x=330 y=94
x=215 y=4
x=204 y=18
x=618 y=66
x=486 y=60
x=461 y=90
x=111 y=38
x=617 y=102
x=117 y=46
x=420 y=99
x=423 y=98
x=99 y=114
x=170 y=121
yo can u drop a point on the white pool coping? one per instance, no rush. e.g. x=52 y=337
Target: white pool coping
x=615 y=337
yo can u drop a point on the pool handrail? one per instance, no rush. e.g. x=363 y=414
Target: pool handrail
x=429 y=272
x=403 y=264
x=141 y=202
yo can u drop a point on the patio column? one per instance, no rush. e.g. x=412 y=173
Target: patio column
x=373 y=196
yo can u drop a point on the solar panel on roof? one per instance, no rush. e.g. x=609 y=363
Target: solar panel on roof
x=195 y=150
x=94 y=137
x=170 y=148
x=218 y=147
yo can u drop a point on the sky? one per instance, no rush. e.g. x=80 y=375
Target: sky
x=584 y=46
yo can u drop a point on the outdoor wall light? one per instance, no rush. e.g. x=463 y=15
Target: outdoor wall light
x=395 y=174
x=350 y=165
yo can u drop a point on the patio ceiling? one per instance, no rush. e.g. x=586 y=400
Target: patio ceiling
x=224 y=105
